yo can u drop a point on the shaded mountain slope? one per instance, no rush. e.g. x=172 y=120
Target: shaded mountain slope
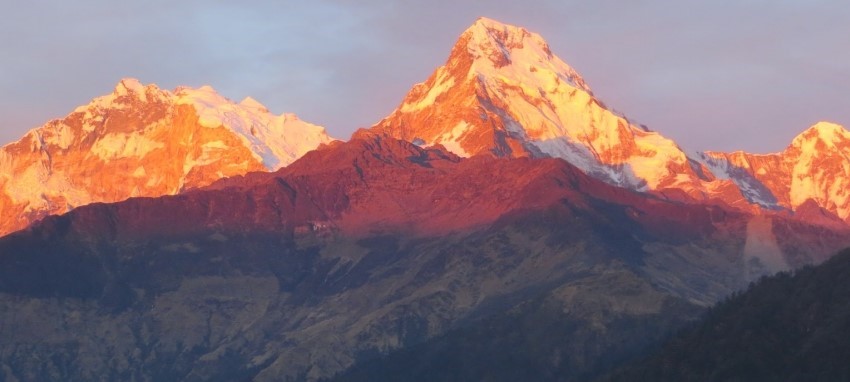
x=790 y=327
x=570 y=333
x=354 y=250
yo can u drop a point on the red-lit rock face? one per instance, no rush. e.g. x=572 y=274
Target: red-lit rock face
x=376 y=185
x=142 y=141
x=356 y=233
x=813 y=173
x=501 y=94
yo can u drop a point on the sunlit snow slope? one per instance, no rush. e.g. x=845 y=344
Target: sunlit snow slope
x=503 y=92
x=143 y=141
x=811 y=176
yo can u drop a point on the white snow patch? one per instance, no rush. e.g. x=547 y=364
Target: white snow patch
x=828 y=132
x=719 y=167
x=451 y=139
x=100 y=103
x=126 y=87
x=443 y=84
x=140 y=172
x=131 y=86
x=153 y=181
x=35 y=185
x=722 y=169
x=824 y=142
x=532 y=64
x=120 y=145
x=274 y=140
x=577 y=155
x=88 y=127
x=61 y=136
x=253 y=104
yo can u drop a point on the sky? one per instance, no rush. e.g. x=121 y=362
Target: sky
x=713 y=75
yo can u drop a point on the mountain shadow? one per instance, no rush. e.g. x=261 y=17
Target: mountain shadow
x=789 y=327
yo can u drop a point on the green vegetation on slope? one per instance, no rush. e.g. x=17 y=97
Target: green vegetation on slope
x=573 y=332
x=789 y=327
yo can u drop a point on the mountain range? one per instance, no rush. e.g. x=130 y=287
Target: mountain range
x=143 y=141
x=177 y=235
x=503 y=92
x=300 y=273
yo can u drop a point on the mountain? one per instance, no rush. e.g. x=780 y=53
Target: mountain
x=503 y=92
x=143 y=141
x=575 y=239
x=812 y=172
x=360 y=248
x=790 y=327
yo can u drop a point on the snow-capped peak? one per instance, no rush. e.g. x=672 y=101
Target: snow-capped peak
x=503 y=92
x=486 y=32
x=129 y=85
x=814 y=167
x=127 y=89
x=140 y=140
x=496 y=46
x=826 y=132
x=275 y=139
x=254 y=104
x=820 y=170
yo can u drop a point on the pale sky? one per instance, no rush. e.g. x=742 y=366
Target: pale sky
x=713 y=75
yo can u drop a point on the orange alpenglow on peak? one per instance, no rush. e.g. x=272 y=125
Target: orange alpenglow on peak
x=252 y=103
x=813 y=168
x=501 y=44
x=130 y=85
x=143 y=141
x=502 y=92
x=828 y=132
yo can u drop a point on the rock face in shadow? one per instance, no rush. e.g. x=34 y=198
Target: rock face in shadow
x=356 y=250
